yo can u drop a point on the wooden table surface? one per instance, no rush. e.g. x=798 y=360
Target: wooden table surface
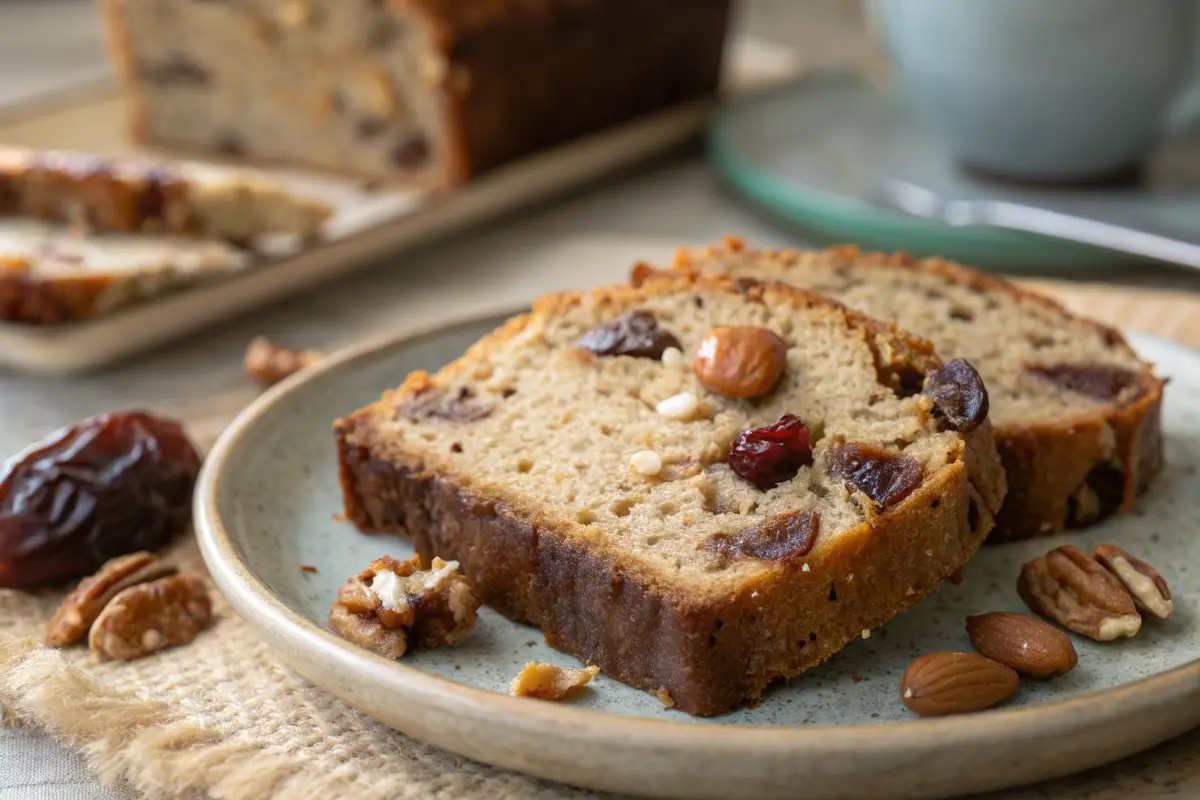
x=678 y=199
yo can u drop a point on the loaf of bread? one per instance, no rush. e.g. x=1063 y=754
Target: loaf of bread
x=699 y=485
x=427 y=91
x=95 y=194
x=1076 y=412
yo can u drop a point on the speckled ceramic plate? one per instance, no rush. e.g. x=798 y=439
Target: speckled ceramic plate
x=267 y=504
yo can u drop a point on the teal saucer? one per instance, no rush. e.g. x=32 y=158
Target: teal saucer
x=811 y=153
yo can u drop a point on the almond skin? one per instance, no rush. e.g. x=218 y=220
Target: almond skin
x=1026 y=644
x=740 y=361
x=955 y=683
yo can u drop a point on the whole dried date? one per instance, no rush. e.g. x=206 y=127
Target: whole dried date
x=109 y=485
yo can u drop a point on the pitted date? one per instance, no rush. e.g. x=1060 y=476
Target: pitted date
x=109 y=485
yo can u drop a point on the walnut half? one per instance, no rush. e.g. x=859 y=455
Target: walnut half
x=1073 y=589
x=394 y=606
x=153 y=616
x=82 y=606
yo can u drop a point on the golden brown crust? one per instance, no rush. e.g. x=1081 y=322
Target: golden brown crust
x=1049 y=467
x=712 y=649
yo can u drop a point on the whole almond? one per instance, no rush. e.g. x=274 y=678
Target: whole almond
x=1026 y=644
x=740 y=361
x=955 y=683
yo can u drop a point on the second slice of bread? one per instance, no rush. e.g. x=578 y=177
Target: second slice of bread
x=521 y=461
x=1076 y=412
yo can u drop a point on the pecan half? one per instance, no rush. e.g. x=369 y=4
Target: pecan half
x=82 y=606
x=1073 y=589
x=149 y=617
x=1148 y=588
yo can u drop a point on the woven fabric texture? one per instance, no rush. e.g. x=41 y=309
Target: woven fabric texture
x=222 y=717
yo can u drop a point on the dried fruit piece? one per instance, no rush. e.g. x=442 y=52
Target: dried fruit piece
x=740 y=361
x=887 y=478
x=1148 y=588
x=634 y=333
x=394 y=606
x=1102 y=383
x=143 y=619
x=1026 y=644
x=269 y=363
x=549 y=681
x=955 y=683
x=773 y=454
x=1073 y=589
x=82 y=606
x=455 y=405
x=109 y=485
x=958 y=394
x=784 y=538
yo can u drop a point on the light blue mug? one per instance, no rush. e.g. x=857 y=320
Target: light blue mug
x=1046 y=90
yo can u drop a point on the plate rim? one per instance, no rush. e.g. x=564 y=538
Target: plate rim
x=276 y=623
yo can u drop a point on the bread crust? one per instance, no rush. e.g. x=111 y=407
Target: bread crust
x=1115 y=450
x=713 y=648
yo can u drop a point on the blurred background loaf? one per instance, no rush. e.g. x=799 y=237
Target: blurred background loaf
x=427 y=91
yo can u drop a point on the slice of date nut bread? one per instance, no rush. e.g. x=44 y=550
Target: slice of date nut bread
x=137 y=195
x=429 y=92
x=701 y=528
x=1076 y=412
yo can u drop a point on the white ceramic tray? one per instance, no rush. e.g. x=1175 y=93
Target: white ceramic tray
x=366 y=225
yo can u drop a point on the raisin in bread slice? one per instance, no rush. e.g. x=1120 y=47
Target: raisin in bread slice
x=127 y=195
x=430 y=92
x=581 y=473
x=1076 y=413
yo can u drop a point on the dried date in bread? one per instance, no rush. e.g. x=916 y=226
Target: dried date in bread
x=1076 y=413
x=588 y=487
x=431 y=92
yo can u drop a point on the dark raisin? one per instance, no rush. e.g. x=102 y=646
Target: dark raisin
x=634 y=333
x=959 y=396
x=411 y=152
x=370 y=127
x=457 y=406
x=173 y=71
x=783 y=538
x=769 y=456
x=745 y=285
x=885 y=477
x=1102 y=383
x=109 y=485
x=456 y=448
x=1105 y=483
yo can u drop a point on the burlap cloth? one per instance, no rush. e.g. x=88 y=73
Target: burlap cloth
x=223 y=718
